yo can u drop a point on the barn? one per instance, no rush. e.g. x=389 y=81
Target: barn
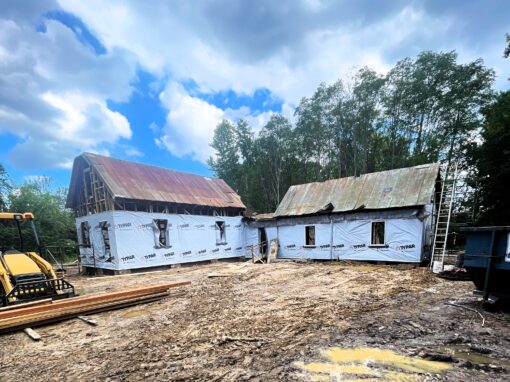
x=381 y=216
x=132 y=215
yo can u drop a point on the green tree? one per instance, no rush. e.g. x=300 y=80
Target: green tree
x=273 y=149
x=432 y=106
x=312 y=133
x=425 y=109
x=226 y=162
x=506 y=52
x=54 y=223
x=367 y=112
x=247 y=184
x=5 y=187
x=492 y=162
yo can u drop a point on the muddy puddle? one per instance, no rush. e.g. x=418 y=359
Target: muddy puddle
x=368 y=364
x=466 y=353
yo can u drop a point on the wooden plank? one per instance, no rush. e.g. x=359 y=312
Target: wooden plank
x=11 y=325
x=79 y=305
x=224 y=274
x=76 y=311
x=46 y=301
x=92 y=299
x=273 y=250
x=32 y=334
x=87 y=320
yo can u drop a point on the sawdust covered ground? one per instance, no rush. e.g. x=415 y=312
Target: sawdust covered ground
x=270 y=322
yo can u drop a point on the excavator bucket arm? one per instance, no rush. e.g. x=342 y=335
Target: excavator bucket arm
x=43 y=265
x=5 y=281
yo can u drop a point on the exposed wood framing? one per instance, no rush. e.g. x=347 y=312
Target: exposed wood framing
x=94 y=196
x=173 y=208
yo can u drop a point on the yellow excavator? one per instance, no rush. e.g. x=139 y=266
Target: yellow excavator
x=26 y=276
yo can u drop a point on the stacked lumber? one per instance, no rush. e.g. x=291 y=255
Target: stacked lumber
x=36 y=315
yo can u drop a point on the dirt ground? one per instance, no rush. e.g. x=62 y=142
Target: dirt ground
x=283 y=321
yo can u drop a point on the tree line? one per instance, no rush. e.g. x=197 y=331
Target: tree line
x=425 y=109
x=54 y=223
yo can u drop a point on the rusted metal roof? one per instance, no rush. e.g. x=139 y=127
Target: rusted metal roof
x=404 y=187
x=130 y=180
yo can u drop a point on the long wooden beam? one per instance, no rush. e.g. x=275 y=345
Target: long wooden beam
x=45 y=301
x=91 y=299
x=14 y=324
x=65 y=309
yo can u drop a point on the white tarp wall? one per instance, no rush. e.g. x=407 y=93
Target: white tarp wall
x=403 y=239
x=292 y=242
x=134 y=239
x=348 y=237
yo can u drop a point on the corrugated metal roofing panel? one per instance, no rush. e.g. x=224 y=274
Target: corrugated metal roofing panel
x=139 y=181
x=405 y=187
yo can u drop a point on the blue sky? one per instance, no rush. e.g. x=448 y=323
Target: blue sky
x=149 y=81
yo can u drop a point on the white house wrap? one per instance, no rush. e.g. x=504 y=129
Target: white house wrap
x=134 y=239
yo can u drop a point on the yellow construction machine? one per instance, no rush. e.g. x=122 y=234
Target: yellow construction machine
x=26 y=276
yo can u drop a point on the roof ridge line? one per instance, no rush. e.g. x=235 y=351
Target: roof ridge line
x=148 y=165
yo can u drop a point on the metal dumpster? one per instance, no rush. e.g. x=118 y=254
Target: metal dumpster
x=487 y=260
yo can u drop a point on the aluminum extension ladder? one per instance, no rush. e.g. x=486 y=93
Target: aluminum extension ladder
x=444 y=214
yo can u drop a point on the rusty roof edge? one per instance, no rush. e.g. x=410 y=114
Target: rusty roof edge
x=148 y=165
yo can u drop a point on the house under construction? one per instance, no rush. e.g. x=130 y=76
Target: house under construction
x=381 y=216
x=132 y=215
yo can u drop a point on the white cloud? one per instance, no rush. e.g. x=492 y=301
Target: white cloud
x=86 y=120
x=133 y=152
x=53 y=92
x=191 y=121
x=186 y=47
x=154 y=127
x=189 y=44
x=83 y=123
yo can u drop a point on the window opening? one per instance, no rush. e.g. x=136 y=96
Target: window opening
x=162 y=227
x=106 y=237
x=85 y=234
x=507 y=257
x=221 y=235
x=378 y=229
x=310 y=235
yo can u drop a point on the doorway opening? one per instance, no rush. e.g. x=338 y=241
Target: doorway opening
x=262 y=241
